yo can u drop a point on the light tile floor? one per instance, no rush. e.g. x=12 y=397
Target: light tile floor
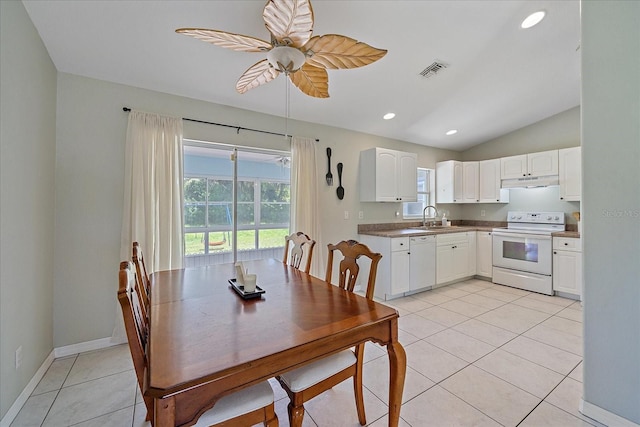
x=478 y=354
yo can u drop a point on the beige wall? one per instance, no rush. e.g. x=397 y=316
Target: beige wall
x=27 y=135
x=559 y=131
x=90 y=165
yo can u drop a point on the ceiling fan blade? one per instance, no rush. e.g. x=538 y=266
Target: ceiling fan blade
x=334 y=51
x=232 y=41
x=313 y=81
x=258 y=74
x=290 y=22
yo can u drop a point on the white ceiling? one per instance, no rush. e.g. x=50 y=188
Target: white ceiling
x=500 y=77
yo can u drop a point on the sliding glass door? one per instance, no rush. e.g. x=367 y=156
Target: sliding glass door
x=222 y=228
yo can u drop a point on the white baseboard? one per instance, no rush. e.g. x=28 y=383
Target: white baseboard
x=603 y=416
x=12 y=413
x=68 y=350
x=82 y=347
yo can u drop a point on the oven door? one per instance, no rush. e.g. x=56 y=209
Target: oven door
x=522 y=252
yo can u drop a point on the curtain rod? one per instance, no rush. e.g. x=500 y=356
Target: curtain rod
x=238 y=128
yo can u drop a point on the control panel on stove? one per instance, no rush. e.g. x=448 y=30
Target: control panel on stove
x=536 y=217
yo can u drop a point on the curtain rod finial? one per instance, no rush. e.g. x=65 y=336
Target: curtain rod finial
x=126 y=109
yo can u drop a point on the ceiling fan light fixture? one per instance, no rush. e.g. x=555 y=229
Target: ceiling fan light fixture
x=533 y=19
x=286 y=59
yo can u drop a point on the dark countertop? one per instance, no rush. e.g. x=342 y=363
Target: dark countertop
x=410 y=232
x=573 y=234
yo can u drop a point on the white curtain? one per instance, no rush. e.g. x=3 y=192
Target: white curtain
x=153 y=191
x=304 y=197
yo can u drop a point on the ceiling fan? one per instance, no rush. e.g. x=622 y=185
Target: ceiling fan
x=292 y=51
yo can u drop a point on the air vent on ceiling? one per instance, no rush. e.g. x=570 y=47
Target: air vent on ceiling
x=433 y=69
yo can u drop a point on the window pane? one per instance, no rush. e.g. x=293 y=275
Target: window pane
x=272 y=238
x=220 y=190
x=194 y=243
x=246 y=240
x=245 y=191
x=274 y=213
x=195 y=196
x=194 y=215
x=246 y=214
x=220 y=241
x=195 y=190
x=423 y=181
x=275 y=192
x=219 y=214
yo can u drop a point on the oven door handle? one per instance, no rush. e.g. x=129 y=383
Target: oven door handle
x=521 y=235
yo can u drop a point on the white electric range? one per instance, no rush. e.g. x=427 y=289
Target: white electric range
x=522 y=252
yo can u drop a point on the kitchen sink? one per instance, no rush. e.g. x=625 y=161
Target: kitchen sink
x=434 y=227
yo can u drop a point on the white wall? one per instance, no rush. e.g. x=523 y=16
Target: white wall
x=611 y=207
x=90 y=163
x=27 y=135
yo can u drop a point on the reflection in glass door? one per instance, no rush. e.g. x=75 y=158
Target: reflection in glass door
x=220 y=228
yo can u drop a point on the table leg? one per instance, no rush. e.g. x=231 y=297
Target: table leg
x=164 y=412
x=397 y=371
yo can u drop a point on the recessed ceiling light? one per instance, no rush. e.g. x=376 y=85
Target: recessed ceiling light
x=452 y=132
x=533 y=19
x=389 y=116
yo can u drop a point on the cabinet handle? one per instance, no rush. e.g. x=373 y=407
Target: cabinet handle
x=566 y=244
x=555 y=253
x=561 y=198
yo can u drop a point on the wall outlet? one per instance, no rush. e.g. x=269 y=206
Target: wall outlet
x=482 y=212
x=360 y=215
x=346 y=214
x=18 y=357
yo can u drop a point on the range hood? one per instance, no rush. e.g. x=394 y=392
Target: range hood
x=532 y=182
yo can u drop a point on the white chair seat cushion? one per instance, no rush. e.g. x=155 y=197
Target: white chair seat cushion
x=308 y=375
x=238 y=403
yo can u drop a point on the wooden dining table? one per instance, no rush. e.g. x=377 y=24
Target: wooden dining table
x=205 y=341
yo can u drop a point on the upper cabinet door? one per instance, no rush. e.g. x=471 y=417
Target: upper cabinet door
x=407 y=176
x=489 y=185
x=513 y=167
x=388 y=176
x=470 y=186
x=542 y=164
x=449 y=176
x=570 y=174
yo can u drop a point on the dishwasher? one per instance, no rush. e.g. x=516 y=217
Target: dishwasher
x=422 y=263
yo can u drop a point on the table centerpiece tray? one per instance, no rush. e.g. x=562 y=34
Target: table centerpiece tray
x=239 y=289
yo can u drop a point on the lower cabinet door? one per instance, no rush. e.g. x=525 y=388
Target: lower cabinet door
x=567 y=272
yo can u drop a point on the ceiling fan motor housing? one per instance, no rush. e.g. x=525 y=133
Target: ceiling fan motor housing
x=286 y=59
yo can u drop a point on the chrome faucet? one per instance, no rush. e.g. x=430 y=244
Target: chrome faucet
x=424 y=211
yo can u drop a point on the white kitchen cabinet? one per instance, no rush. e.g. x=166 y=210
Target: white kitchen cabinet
x=484 y=254
x=544 y=163
x=567 y=266
x=489 y=190
x=388 y=176
x=570 y=173
x=472 y=263
x=449 y=179
x=408 y=264
x=452 y=257
x=470 y=184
